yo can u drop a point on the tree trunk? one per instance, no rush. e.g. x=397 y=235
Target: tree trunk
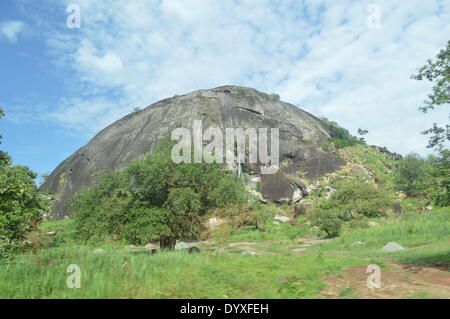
x=167 y=243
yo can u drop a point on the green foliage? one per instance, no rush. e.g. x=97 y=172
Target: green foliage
x=378 y=165
x=154 y=199
x=340 y=136
x=438 y=180
x=437 y=71
x=411 y=230
x=21 y=206
x=245 y=177
x=350 y=200
x=275 y=97
x=430 y=177
x=358 y=223
x=327 y=221
x=5 y=159
x=358 y=198
x=409 y=175
x=124 y=274
x=136 y=109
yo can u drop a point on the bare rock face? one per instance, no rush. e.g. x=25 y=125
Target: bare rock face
x=300 y=135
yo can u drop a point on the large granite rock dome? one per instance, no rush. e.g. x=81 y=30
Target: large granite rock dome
x=301 y=135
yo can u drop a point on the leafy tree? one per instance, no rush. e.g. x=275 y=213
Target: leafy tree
x=155 y=199
x=275 y=97
x=340 y=136
x=409 y=174
x=438 y=180
x=351 y=199
x=362 y=132
x=327 y=221
x=437 y=71
x=21 y=205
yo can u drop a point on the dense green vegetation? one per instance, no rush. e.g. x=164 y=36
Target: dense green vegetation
x=275 y=272
x=341 y=137
x=21 y=205
x=430 y=177
x=351 y=200
x=439 y=185
x=349 y=216
x=155 y=199
x=410 y=174
x=425 y=236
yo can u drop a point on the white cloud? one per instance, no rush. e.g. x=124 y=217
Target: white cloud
x=319 y=55
x=11 y=29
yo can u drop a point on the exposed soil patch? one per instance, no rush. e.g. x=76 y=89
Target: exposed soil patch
x=398 y=281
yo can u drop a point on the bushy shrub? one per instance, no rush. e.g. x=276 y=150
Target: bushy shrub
x=358 y=223
x=409 y=175
x=358 y=198
x=238 y=216
x=438 y=179
x=340 y=136
x=155 y=199
x=327 y=221
x=21 y=204
x=350 y=200
x=275 y=97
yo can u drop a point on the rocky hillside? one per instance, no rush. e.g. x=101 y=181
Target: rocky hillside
x=301 y=136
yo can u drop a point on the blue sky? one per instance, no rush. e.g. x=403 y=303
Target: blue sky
x=60 y=86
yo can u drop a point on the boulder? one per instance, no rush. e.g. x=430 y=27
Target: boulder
x=330 y=191
x=401 y=195
x=51 y=233
x=280 y=189
x=194 y=250
x=282 y=218
x=213 y=222
x=150 y=246
x=392 y=247
x=248 y=252
x=181 y=245
x=300 y=137
x=241 y=243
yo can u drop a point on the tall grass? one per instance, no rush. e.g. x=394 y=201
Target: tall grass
x=426 y=237
x=276 y=273
x=117 y=274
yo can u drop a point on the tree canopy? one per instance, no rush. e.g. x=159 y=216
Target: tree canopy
x=437 y=71
x=155 y=199
x=21 y=204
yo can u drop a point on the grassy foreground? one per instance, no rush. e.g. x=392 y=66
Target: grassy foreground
x=276 y=271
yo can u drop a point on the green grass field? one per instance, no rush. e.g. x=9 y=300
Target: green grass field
x=275 y=272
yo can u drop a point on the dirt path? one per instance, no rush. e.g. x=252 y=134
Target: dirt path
x=397 y=281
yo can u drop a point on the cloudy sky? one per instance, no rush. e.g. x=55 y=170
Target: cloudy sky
x=350 y=61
